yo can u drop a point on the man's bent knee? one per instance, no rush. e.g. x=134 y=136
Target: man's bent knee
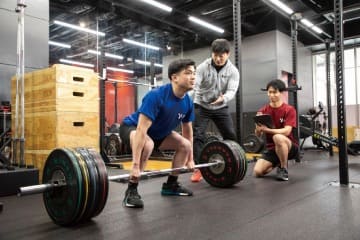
x=258 y=173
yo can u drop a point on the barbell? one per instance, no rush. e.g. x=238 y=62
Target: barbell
x=253 y=144
x=75 y=181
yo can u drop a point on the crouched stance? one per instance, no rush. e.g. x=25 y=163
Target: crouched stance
x=280 y=142
x=152 y=126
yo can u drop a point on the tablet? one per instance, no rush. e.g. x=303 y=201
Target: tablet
x=264 y=119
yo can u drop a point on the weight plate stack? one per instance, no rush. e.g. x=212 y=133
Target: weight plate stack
x=243 y=161
x=103 y=183
x=64 y=204
x=235 y=149
x=93 y=198
x=113 y=145
x=223 y=175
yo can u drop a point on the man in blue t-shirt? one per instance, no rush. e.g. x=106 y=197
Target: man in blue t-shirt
x=152 y=126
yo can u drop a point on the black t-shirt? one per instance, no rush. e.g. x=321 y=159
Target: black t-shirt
x=218 y=68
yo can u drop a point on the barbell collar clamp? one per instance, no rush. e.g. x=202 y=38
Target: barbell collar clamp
x=249 y=144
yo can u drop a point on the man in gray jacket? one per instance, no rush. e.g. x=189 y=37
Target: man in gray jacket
x=217 y=81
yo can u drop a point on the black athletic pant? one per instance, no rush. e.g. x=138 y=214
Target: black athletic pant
x=221 y=118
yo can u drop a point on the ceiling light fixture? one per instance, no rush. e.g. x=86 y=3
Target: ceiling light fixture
x=76 y=63
x=317 y=29
x=148 y=63
x=140 y=44
x=206 y=24
x=119 y=70
x=158 y=5
x=168 y=47
x=79 y=28
x=310 y=25
x=94 y=52
x=109 y=55
x=306 y=22
x=282 y=6
x=59 y=44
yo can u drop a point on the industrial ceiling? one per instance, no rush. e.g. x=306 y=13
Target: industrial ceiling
x=172 y=31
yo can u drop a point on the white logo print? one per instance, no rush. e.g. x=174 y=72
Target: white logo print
x=282 y=120
x=181 y=116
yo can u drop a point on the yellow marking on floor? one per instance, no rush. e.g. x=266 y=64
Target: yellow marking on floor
x=151 y=165
x=252 y=155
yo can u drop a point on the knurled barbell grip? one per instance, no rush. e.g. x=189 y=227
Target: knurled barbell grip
x=168 y=170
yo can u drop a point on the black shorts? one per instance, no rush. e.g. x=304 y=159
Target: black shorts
x=125 y=131
x=271 y=156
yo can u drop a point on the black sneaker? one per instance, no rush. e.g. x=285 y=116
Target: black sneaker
x=282 y=174
x=175 y=189
x=133 y=199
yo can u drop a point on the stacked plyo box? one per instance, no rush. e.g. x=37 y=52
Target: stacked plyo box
x=61 y=110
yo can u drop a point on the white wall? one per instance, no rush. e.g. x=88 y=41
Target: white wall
x=259 y=62
x=304 y=68
x=352 y=117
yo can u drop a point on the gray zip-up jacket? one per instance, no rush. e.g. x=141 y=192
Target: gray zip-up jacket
x=210 y=84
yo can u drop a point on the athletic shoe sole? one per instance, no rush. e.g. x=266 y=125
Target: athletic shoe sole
x=166 y=193
x=132 y=205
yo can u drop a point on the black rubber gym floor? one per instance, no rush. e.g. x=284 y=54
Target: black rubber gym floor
x=305 y=207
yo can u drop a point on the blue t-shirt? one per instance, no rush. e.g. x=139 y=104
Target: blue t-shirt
x=165 y=110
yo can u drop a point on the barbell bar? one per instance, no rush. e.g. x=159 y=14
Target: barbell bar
x=251 y=143
x=167 y=170
x=76 y=183
x=41 y=188
x=131 y=83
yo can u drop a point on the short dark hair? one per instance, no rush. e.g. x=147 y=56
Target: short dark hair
x=277 y=84
x=220 y=45
x=179 y=65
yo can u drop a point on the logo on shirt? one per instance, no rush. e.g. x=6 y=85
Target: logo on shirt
x=181 y=116
x=282 y=120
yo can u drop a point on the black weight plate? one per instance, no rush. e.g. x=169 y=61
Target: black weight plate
x=93 y=199
x=113 y=145
x=253 y=144
x=86 y=180
x=114 y=128
x=305 y=121
x=212 y=137
x=223 y=175
x=235 y=149
x=103 y=183
x=63 y=204
x=316 y=141
x=243 y=162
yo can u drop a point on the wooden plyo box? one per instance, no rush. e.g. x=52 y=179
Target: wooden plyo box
x=49 y=130
x=60 y=88
x=61 y=110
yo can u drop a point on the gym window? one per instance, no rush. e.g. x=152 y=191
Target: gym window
x=351 y=77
